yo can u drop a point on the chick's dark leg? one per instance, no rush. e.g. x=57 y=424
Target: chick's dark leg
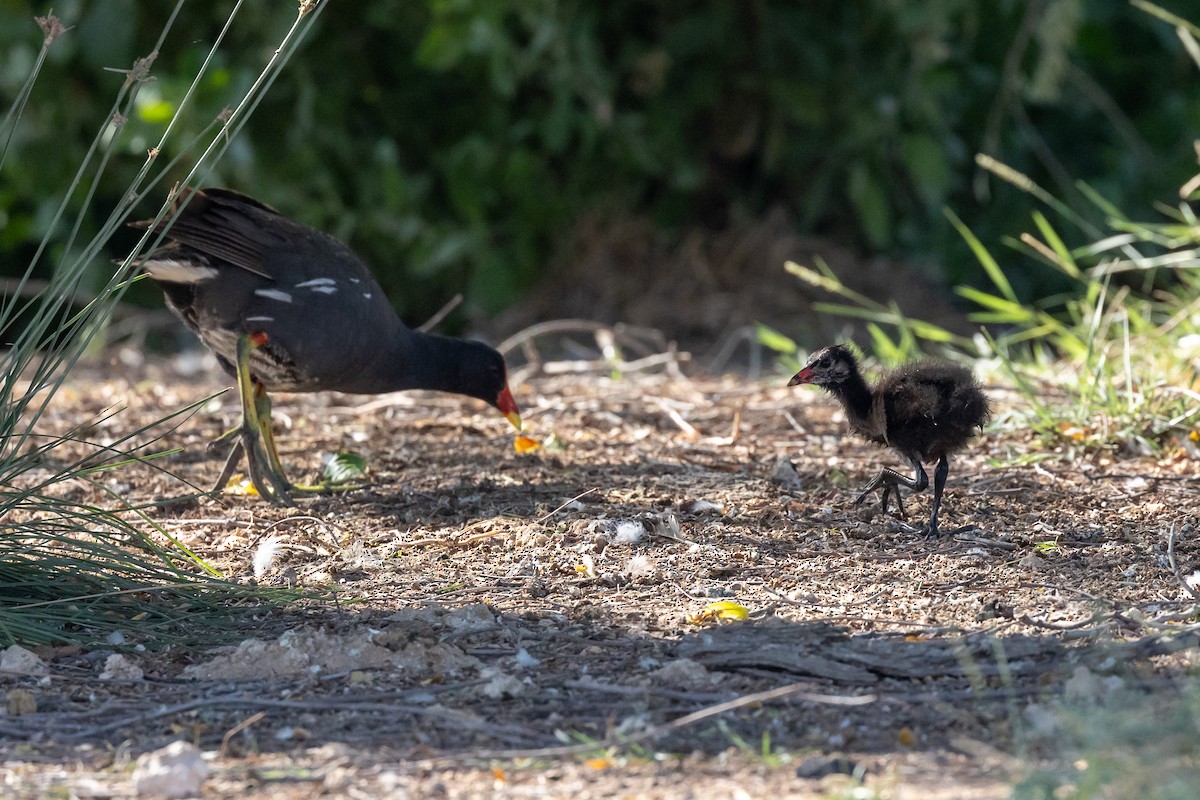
x=891 y=481
x=939 y=483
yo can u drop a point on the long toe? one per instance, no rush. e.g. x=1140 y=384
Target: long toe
x=231 y=464
x=270 y=484
x=870 y=490
x=216 y=446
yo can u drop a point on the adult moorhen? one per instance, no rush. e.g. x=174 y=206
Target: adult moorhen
x=289 y=308
x=925 y=411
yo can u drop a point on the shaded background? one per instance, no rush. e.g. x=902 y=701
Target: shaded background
x=654 y=160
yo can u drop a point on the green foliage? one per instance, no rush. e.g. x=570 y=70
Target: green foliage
x=344 y=467
x=454 y=142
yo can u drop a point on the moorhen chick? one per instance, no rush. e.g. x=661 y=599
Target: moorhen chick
x=925 y=411
x=289 y=308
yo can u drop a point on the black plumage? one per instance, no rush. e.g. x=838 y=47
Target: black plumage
x=925 y=411
x=286 y=307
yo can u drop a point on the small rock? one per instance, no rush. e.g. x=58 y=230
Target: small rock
x=1044 y=722
x=500 y=684
x=175 y=771
x=16 y=660
x=20 y=701
x=820 y=766
x=1033 y=561
x=1086 y=687
x=525 y=660
x=119 y=668
x=784 y=473
x=469 y=619
x=683 y=672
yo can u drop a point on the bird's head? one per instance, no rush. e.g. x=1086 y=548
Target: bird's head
x=827 y=368
x=483 y=374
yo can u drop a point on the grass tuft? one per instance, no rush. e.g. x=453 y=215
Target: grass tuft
x=75 y=570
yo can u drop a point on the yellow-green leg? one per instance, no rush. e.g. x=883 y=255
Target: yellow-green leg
x=257 y=437
x=266 y=473
x=262 y=406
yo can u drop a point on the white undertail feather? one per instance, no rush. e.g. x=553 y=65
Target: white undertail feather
x=169 y=270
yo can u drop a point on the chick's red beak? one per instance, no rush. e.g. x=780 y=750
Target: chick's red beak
x=803 y=376
x=508 y=407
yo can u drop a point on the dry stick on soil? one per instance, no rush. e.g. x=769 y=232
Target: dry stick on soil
x=1187 y=587
x=792 y=690
x=979 y=540
x=735 y=430
x=669 y=359
x=297 y=518
x=689 y=431
x=337 y=704
x=606 y=339
x=236 y=729
x=446 y=542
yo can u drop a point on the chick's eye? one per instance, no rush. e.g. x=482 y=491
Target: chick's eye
x=823 y=361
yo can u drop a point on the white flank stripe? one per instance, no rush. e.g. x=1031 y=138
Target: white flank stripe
x=171 y=271
x=367 y=295
x=260 y=319
x=274 y=294
x=315 y=282
x=325 y=289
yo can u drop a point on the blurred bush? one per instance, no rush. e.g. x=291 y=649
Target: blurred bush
x=453 y=143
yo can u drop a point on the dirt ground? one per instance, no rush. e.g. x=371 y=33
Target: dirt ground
x=534 y=624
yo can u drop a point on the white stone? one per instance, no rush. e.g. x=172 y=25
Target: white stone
x=16 y=660
x=119 y=668
x=175 y=771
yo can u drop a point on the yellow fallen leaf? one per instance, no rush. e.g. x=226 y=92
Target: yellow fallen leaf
x=720 y=611
x=526 y=444
x=727 y=609
x=241 y=485
x=598 y=763
x=906 y=737
x=1073 y=432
